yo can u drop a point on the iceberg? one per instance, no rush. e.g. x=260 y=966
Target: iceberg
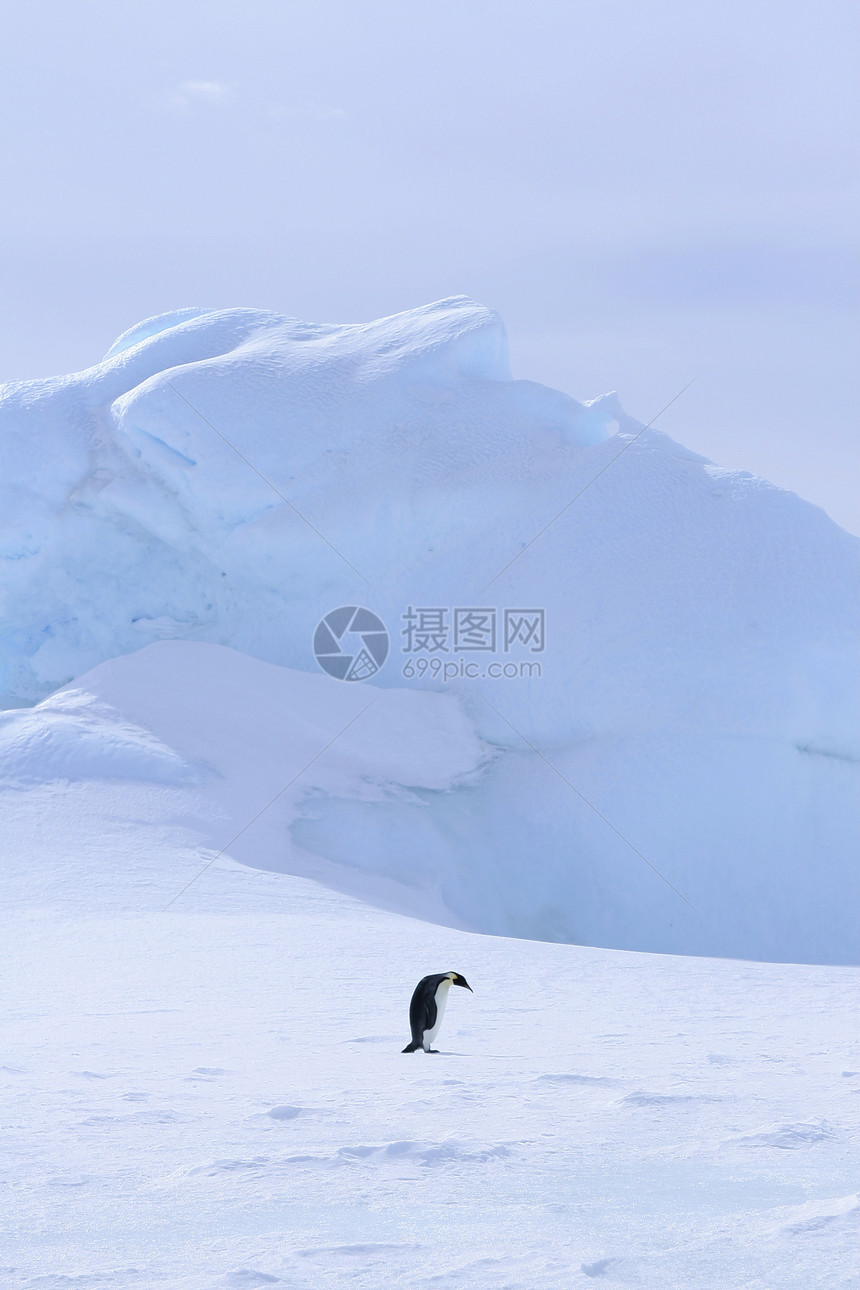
x=654 y=657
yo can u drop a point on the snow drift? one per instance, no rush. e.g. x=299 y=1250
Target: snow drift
x=678 y=774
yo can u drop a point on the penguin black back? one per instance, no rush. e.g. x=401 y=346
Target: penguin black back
x=428 y=1005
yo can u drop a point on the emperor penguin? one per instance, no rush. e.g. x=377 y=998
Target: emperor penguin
x=427 y=1007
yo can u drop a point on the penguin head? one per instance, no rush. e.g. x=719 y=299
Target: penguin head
x=456 y=979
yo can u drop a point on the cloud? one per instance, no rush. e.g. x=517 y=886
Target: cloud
x=206 y=91
x=199 y=93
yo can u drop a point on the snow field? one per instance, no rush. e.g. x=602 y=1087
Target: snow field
x=224 y=871
x=216 y=1097
x=204 y=1087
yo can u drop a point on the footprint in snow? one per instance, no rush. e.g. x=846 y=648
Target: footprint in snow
x=815 y=1215
x=162 y=1116
x=787 y=1137
x=276 y=1113
x=247 y=1279
x=359 y=1249
x=425 y=1154
x=598 y=1269
x=666 y=1099
x=576 y=1079
x=228 y=1166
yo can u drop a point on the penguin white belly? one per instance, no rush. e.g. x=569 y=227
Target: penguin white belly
x=441 y=998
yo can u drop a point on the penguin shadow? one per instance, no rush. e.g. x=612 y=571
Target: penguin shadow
x=441 y=1052
x=487 y=1057
x=396 y=1039
x=372 y=1039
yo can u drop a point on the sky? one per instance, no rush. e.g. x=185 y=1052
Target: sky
x=647 y=192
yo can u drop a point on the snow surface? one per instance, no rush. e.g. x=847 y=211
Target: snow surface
x=225 y=871
x=698 y=707
x=214 y=1096
x=391 y=796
